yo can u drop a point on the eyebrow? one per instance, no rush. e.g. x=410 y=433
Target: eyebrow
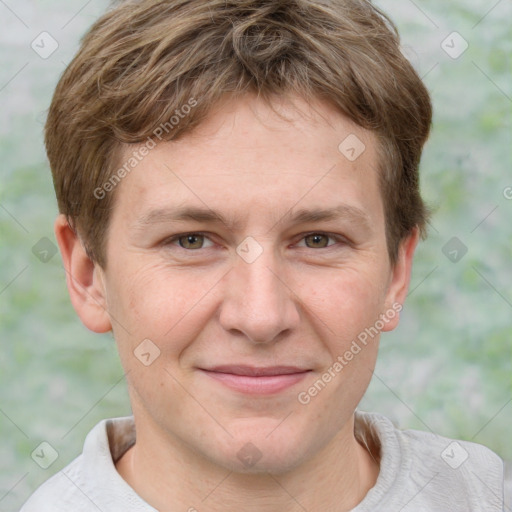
x=342 y=211
x=206 y=215
x=167 y=215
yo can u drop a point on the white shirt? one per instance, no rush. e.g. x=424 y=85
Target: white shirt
x=419 y=472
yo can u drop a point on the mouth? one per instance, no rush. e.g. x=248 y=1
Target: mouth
x=256 y=380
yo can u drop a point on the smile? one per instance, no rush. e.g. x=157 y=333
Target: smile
x=260 y=381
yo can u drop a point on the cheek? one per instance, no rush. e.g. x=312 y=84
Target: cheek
x=342 y=302
x=344 y=308
x=161 y=303
x=169 y=308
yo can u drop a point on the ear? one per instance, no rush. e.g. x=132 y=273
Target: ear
x=400 y=278
x=84 y=279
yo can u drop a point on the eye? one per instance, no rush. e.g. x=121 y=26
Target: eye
x=317 y=240
x=191 y=241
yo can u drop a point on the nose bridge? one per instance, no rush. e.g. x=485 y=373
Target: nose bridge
x=257 y=303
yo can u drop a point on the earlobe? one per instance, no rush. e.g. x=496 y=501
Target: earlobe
x=400 y=279
x=84 y=279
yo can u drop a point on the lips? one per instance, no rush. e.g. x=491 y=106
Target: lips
x=256 y=380
x=255 y=371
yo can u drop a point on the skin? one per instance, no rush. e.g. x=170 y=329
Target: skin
x=299 y=303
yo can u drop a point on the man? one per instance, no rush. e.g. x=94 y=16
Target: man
x=239 y=204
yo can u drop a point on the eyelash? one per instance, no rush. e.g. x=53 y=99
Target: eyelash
x=337 y=238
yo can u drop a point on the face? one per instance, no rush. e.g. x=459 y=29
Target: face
x=251 y=246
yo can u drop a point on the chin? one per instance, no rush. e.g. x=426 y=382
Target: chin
x=259 y=450
x=251 y=461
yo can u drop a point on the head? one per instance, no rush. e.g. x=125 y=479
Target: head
x=263 y=115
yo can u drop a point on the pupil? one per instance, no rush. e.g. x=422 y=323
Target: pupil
x=190 y=241
x=318 y=240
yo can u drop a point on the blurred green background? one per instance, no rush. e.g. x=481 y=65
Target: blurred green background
x=448 y=367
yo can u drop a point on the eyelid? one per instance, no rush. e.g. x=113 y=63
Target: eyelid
x=337 y=238
x=174 y=238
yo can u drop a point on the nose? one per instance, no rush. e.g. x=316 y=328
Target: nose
x=257 y=303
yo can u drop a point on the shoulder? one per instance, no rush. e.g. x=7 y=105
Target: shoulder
x=90 y=481
x=457 y=467
x=431 y=471
x=59 y=493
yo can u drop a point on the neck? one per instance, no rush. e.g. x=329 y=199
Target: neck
x=178 y=478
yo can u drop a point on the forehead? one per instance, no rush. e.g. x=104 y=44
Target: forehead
x=250 y=156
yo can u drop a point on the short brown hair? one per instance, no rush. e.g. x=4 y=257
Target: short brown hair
x=142 y=61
